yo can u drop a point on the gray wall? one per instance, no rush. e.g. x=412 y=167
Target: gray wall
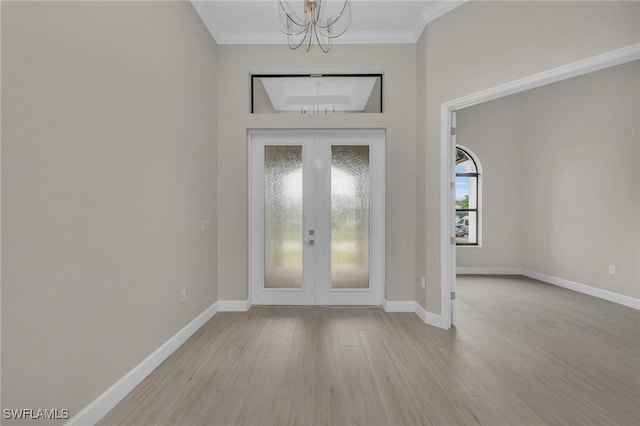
x=108 y=166
x=582 y=179
x=235 y=65
x=483 y=44
x=561 y=181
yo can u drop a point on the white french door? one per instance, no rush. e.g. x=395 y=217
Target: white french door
x=316 y=217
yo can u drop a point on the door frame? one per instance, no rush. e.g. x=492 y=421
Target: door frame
x=447 y=154
x=376 y=221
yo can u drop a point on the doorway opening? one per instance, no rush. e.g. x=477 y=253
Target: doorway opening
x=448 y=150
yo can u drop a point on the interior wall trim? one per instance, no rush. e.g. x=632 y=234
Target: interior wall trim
x=399 y=305
x=607 y=295
x=234 y=305
x=429 y=318
x=100 y=406
x=610 y=296
x=483 y=270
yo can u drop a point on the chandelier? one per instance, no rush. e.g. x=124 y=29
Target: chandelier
x=307 y=24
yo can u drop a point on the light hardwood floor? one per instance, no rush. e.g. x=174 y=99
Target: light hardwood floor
x=523 y=353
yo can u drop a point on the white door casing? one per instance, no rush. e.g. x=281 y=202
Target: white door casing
x=316 y=287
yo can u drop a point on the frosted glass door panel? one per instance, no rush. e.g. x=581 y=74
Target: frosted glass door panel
x=283 y=232
x=316 y=228
x=350 y=216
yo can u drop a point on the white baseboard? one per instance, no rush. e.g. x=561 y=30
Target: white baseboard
x=411 y=306
x=620 y=299
x=234 y=305
x=100 y=406
x=482 y=270
x=428 y=317
x=399 y=306
x=610 y=296
x=92 y=413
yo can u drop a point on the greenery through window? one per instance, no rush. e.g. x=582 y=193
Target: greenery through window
x=467 y=185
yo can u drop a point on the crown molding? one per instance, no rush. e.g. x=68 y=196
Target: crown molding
x=205 y=16
x=433 y=14
x=409 y=36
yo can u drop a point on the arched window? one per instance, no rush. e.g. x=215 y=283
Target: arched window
x=467 y=198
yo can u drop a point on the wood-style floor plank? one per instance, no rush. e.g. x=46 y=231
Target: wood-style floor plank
x=348 y=330
x=437 y=406
x=522 y=353
x=296 y=395
x=397 y=398
x=328 y=367
x=223 y=408
x=331 y=405
x=365 y=401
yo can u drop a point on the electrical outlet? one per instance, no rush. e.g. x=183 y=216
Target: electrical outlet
x=613 y=270
x=423 y=282
x=205 y=225
x=183 y=295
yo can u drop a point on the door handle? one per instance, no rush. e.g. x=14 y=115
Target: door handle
x=310 y=242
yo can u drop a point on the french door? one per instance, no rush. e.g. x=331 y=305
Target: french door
x=316 y=217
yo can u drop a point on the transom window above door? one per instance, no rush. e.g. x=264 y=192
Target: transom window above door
x=316 y=93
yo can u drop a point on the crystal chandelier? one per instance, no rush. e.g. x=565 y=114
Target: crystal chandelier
x=306 y=24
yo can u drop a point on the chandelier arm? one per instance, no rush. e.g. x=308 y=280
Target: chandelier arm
x=294 y=46
x=296 y=33
x=288 y=11
x=346 y=4
x=293 y=20
x=324 y=48
x=282 y=27
x=295 y=24
x=310 y=41
x=329 y=35
x=289 y=30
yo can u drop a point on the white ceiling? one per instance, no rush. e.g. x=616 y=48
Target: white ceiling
x=372 y=21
